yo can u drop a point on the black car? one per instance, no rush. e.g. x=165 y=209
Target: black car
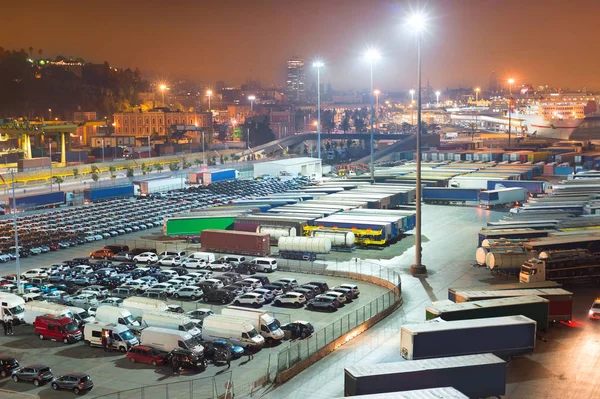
x=161 y=278
x=218 y=295
x=322 y=285
x=283 y=286
x=315 y=290
x=67 y=286
x=275 y=289
x=298 y=329
x=7 y=366
x=233 y=275
x=37 y=373
x=182 y=271
x=184 y=358
x=327 y=303
x=110 y=282
x=76 y=382
x=244 y=268
x=117 y=248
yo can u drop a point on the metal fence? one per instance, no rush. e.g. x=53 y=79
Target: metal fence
x=220 y=386
x=357 y=270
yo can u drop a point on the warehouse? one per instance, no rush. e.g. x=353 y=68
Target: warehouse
x=310 y=167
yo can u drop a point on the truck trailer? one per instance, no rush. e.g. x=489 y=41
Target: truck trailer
x=503 y=287
x=107 y=193
x=194 y=225
x=236 y=242
x=450 y=195
x=505 y=197
x=502 y=336
x=476 y=376
x=144 y=188
x=535 y=187
x=429 y=393
x=571 y=265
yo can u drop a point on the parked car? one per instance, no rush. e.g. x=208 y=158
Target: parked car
x=250 y=298
x=244 y=268
x=267 y=294
x=298 y=329
x=199 y=314
x=169 y=261
x=7 y=366
x=290 y=298
x=39 y=374
x=77 y=382
x=322 y=285
x=123 y=257
x=347 y=292
x=353 y=287
x=323 y=302
x=146 y=257
x=218 y=295
x=102 y=254
x=146 y=355
x=190 y=292
x=219 y=265
x=192 y=263
x=213 y=347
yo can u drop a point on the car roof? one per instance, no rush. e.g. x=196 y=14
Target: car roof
x=36 y=366
x=76 y=374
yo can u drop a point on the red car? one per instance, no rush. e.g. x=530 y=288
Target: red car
x=146 y=355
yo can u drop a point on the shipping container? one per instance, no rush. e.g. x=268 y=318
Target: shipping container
x=214 y=176
x=477 y=376
x=157 y=185
x=38 y=200
x=503 y=287
x=235 y=242
x=445 y=195
x=194 y=225
x=535 y=187
x=534 y=307
x=502 y=336
x=107 y=193
x=24 y=165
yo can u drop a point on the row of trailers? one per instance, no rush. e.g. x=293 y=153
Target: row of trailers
x=554 y=238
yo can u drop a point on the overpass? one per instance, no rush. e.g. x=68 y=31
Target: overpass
x=492 y=122
x=23 y=131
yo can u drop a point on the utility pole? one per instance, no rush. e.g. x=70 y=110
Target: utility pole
x=16 y=233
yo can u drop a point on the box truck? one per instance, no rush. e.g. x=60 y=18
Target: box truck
x=116 y=315
x=12 y=305
x=261 y=320
x=122 y=338
x=534 y=307
x=138 y=305
x=34 y=309
x=166 y=340
x=239 y=331
x=171 y=321
x=477 y=376
x=502 y=336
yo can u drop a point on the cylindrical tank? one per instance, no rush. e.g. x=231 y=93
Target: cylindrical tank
x=317 y=245
x=567 y=253
x=277 y=232
x=481 y=253
x=344 y=239
x=507 y=260
x=487 y=243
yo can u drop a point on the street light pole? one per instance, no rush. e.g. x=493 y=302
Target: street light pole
x=203 y=153
x=437 y=95
x=50 y=152
x=16 y=233
x=251 y=98
x=209 y=94
x=102 y=150
x=418 y=268
x=149 y=148
x=318 y=65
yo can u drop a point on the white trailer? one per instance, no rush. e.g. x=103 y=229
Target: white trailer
x=172 y=321
x=34 y=309
x=261 y=320
x=146 y=187
x=503 y=197
x=138 y=305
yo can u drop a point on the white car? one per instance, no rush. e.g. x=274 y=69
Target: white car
x=166 y=287
x=170 y=273
x=205 y=273
x=100 y=291
x=176 y=283
x=55 y=295
x=254 y=281
x=194 y=263
x=139 y=285
x=594 y=312
x=146 y=257
x=112 y=301
x=341 y=297
x=290 y=298
x=219 y=265
x=188 y=292
x=198 y=277
x=186 y=280
x=250 y=298
x=169 y=261
x=353 y=287
x=82 y=301
x=35 y=273
x=4 y=258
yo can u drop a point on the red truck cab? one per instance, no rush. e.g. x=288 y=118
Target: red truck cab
x=57 y=328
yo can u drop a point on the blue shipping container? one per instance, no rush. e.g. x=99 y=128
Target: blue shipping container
x=108 y=193
x=38 y=200
x=563 y=170
x=222 y=175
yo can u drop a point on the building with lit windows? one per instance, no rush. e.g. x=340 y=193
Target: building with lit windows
x=158 y=120
x=296 y=81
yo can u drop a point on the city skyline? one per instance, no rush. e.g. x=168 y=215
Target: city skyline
x=469 y=38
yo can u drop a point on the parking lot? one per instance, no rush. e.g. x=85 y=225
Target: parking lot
x=112 y=372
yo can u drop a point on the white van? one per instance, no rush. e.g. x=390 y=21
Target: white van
x=261 y=320
x=12 y=305
x=81 y=316
x=166 y=340
x=173 y=321
x=34 y=309
x=239 y=331
x=164 y=254
x=233 y=259
x=265 y=264
x=122 y=337
x=116 y=315
x=207 y=256
x=139 y=305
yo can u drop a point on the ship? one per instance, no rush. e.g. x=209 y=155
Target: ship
x=537 y=125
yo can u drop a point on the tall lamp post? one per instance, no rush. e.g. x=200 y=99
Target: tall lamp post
x=209 y=94
x=251 y=98
x=417 y=24
x=318 y=65
x=50 y=153
x=437 y=97
x=412 y=95
x=510 y=83
x=372 y=55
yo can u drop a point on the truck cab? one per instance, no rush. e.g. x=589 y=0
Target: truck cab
x=12 y=305
x=533 y=271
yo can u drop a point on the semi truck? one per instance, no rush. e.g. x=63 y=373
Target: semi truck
x=303 y=248
x=268 y=326
x=505 y=197
x=476 y=376
x=449 y=195
x=214 y=176
x=534 y=187
x=534 y=307
x=37 y=200
x=571 y=265
x=502 y=336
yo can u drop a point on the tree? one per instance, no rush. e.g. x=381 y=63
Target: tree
x=94 y=168
x=58 y=180
x=173 y=166
x=345 y=126
x=359 y=124
x=221 y=160
x=112 y=169
x=130 y=172
x=95 y=177
x=198 y=161
x=158 y=167
x=186 y=165
x=327 y=120
x=75 y=173
x=406 y=127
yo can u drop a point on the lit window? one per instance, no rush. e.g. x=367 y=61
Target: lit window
x=153 y=121
x=147 y=120
x=147 y=129
x=160 y=129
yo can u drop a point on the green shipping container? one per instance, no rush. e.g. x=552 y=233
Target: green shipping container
x=534 y=307
x=193 y=226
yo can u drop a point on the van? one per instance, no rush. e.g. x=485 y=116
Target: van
x=239 y=331
x=173 y=321
x=138 y=305
x=34 y=309
x=12 y=305
x=233 y=259
x=116 y=315
x=265 y=264
x=164 y=254
x=166 y=340
x=207 y=256
x=57 y=328
x=122 y=338
x=81 y=316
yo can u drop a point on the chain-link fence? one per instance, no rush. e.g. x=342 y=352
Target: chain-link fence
x=220 y=386
x=359 y=270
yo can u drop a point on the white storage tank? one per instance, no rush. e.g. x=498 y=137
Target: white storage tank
x=344 y=239
x=508 y=260
x=317 y=245
x=277 y=232
x=482 y=252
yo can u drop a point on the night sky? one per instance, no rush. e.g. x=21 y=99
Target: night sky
x=550 y=42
